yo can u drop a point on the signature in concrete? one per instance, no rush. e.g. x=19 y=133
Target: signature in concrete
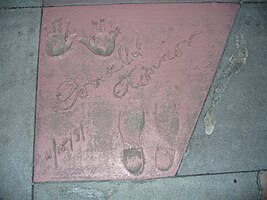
x=141 y=76
x=69 y=92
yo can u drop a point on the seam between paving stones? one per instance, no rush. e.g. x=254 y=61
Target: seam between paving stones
x=14 y=8
x=148 y=2
x=144 y=2
x=135 y=3
x=162 y=2
x=222 y=173
x=149 y=180
x=36 y=89
x=252 y=2
x=171 y=2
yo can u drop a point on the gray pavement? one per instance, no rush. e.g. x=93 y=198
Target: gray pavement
x=20 y=3
x=237 y=144
x=242 y=186
x=239 y=140
x=18 y=63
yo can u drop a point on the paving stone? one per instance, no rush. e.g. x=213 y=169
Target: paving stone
x=18 y=63
x=241 y=186
x=238 y=141
x=20 y=3
x=119 y=92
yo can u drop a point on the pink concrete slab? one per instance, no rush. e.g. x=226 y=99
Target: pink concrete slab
x=120 y=87
x=263 y=181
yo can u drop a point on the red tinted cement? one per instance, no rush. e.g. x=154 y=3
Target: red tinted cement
x=263 y=181
x=120 y=88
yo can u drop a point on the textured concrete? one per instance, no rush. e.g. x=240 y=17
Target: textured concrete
x=239 y=139
x=20 y=3
x=236 y=144
x=154 y=88
x=221 y=187
x=18 y=62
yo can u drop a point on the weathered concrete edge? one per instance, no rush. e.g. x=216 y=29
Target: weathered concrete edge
x=238 y=185
x=51 y=3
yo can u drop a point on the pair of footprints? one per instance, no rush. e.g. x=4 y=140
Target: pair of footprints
x=101 y=43
x=131 y=125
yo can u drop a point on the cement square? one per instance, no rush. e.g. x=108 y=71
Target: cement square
x=120 y=87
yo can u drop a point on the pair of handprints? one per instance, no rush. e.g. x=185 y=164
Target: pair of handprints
x=68 y=92
x=60 y=40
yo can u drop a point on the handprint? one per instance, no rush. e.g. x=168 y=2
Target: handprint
x=59 y=40
x=101 y=43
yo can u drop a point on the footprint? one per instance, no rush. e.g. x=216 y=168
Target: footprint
x=59 y=39
x=164 y=158
x=167 y=122
x=102 y=43
x=101 y=114
x=133 y=160
x=209 y=121
x=131 y=125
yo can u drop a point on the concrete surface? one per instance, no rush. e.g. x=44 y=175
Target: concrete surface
x=241 y=186
x=20 y=3
x=161 y=149
x=238 y=142
x=18 y=63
